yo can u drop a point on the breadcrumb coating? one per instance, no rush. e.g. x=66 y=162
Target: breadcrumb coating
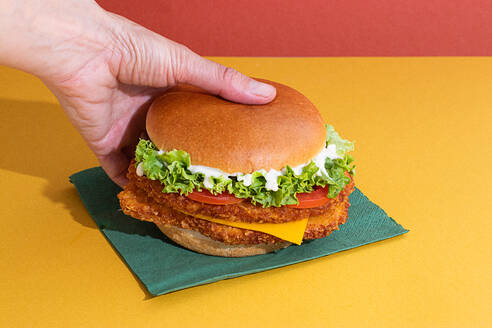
x=141 y=204
x=244 y=211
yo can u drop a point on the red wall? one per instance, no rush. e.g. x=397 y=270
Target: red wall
x=317 y=27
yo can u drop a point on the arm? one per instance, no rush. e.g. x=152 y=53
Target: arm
x=105 y=69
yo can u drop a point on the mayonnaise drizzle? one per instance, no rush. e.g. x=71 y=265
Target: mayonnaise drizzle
x=247 y=179
x=140 y=171
x=271 y=176
x=208 y=172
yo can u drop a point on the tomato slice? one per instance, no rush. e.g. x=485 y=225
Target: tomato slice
x=312 y=199
x=207 y=197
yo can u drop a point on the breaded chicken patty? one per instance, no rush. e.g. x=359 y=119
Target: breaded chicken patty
x=141 y=203
x=244 y=211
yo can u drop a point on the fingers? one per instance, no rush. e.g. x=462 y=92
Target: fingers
x=152 y=60
x=116 y=166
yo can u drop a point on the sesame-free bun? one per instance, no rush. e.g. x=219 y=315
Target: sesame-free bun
x=236 y=137
x=202 y=244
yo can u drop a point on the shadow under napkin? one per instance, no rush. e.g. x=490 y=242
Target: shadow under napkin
x=163 y=267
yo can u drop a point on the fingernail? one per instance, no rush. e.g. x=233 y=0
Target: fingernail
x=261 y=89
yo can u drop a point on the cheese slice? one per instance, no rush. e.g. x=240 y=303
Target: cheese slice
x=292 y=231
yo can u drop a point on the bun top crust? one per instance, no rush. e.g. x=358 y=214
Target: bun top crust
x=236 y=137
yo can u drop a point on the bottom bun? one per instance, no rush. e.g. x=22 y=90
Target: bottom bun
x=202 y=244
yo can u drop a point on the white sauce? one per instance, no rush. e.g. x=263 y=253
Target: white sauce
x=140 y=171
x=320 y=159
x=270 y=176
x=247 y=179
x=208 y=172
x=207 y=182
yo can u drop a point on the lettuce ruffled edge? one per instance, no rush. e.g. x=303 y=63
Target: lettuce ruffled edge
x=171 y=169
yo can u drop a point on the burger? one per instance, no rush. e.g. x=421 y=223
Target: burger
x=229 y=179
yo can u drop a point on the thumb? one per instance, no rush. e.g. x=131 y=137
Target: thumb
x=220 y=80
x=149 y=59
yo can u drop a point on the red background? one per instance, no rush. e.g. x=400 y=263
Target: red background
x=318 y=27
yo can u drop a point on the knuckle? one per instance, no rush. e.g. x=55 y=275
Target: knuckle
x=230 y=75
x=130 y=54
x=178 y=64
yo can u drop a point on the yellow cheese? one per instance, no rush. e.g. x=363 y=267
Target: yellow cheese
x=290 y=231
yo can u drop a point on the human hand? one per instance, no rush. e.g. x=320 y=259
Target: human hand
x=105 y=69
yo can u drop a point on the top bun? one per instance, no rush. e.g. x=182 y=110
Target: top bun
x=235 y=137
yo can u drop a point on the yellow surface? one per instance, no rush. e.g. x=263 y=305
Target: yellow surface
x=290 y=231
x=422 y=130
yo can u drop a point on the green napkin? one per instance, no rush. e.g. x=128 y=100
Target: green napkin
x=163 y=266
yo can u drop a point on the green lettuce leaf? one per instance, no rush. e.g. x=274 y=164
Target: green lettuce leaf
x=332 y=137
x=172 y=170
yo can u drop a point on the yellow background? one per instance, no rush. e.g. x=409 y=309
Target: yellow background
x=423 y=151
